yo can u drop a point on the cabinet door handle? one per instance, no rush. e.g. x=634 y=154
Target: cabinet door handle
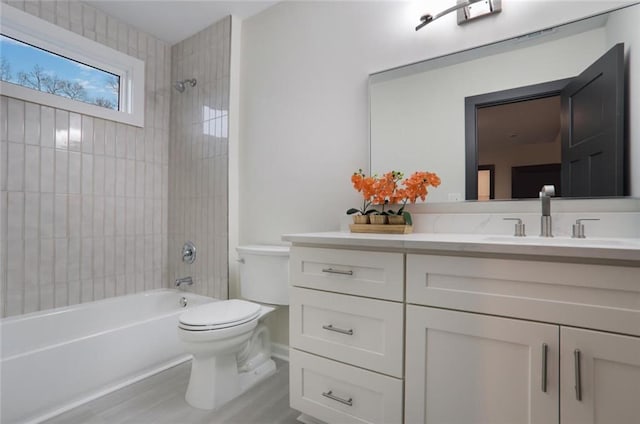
x=578 y=386
x=330 y=327
x=336 y=271
x=545 y=349
x=330 y=395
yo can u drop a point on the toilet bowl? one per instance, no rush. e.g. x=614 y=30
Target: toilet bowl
x=231 y=347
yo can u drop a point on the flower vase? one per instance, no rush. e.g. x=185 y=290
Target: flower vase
x=378 y=219
x=360 y=219
x=396 y=220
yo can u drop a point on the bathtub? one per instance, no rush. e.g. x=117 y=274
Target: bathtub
x=55 y=360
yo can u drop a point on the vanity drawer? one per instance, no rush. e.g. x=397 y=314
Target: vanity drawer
x=593 y=296
x=371 y=274
x=339 y=393
x=359 y=331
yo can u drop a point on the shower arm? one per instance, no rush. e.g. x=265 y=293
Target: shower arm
x=425 y=19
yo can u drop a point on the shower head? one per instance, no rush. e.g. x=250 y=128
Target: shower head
x=181 y=85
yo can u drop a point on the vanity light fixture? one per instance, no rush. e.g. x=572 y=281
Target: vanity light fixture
x=467 y=10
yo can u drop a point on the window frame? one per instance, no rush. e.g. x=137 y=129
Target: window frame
x=47 y=36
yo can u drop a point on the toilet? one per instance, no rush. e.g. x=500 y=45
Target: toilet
x=231 y=347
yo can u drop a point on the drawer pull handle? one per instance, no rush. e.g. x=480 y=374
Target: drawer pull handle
x=336 y=271
x=545 y=349
x=330 y=395
x=576 y=362
x=330 y=327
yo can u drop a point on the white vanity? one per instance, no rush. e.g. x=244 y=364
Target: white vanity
x=454 y=328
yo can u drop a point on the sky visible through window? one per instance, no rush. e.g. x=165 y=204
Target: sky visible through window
x=38 y=69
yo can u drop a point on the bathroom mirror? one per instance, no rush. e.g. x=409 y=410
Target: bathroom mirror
x=417 y=111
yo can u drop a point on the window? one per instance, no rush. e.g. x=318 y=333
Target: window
x=46 y=64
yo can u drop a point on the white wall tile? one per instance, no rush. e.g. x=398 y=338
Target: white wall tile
x=98 y=174
x=121 y=140
x=87 y=134
x=109 y=138
x=47 y=126
x=61 y=183
x=86 y=228
x=4 y=153
x=86 y=258
x=4 y=105
x=120 y=177
x=47 y=170
x=31 y=216
x=75 y=132
x=60 y=264
x=74 y=215
x=15 y=216
x=32 y=123
x=110 y=256
x=109 y=216
x=62 y=129
x=32 y=168
x=75 y=166
x=98 y=257
x=130 y=178
x=73 y=258
x=15 y=169
x=98 y=137
x=87 y=174
x=16 y=121
x=46 y=215
x=60 y=216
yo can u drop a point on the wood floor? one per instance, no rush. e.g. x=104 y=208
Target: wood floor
x=160 y=399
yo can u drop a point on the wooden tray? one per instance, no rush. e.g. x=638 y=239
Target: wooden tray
x=381 y=229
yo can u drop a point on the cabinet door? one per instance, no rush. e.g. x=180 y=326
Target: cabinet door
x=600 y=377
x=469 y=368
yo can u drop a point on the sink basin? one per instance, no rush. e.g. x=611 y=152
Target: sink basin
x=567 y=241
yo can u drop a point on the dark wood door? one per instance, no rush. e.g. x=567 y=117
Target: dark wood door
x=592 y=126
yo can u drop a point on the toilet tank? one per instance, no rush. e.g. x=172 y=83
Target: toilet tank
x=264 y=273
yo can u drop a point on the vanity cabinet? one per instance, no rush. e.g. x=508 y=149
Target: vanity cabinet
x=478 y=367
x=347 y=334
x=433 y=334
x=469 y=368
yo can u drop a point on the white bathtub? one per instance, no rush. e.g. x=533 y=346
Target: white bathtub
x=57 y=359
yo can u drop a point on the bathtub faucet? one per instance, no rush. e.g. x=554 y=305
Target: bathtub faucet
x=184 y=280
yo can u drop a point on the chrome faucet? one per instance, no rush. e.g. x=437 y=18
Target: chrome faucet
x=184 y=280
x=546 y=193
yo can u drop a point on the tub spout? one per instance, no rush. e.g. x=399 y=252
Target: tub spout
x=184 y=280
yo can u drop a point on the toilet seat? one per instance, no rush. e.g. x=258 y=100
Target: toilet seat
x=219 y=315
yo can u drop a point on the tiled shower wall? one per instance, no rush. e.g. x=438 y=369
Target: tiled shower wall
x=84 y=201
x=198 y=159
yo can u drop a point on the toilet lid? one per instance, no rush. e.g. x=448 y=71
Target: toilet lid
x=224 y=313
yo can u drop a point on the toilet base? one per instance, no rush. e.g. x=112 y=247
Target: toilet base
x=251 y=378
x=227 y=386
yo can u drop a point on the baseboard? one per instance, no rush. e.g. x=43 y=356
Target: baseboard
x=280 y=351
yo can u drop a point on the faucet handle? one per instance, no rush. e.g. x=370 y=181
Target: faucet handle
x=519 y=227
x=578 y=227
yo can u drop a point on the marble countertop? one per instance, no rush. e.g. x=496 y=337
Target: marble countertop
x=609 y=249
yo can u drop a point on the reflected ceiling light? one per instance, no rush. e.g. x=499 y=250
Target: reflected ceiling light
x=467 y=10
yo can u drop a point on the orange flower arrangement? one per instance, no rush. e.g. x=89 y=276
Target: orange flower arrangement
x=391 y=189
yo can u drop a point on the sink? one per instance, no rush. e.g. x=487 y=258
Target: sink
x=566 y=241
